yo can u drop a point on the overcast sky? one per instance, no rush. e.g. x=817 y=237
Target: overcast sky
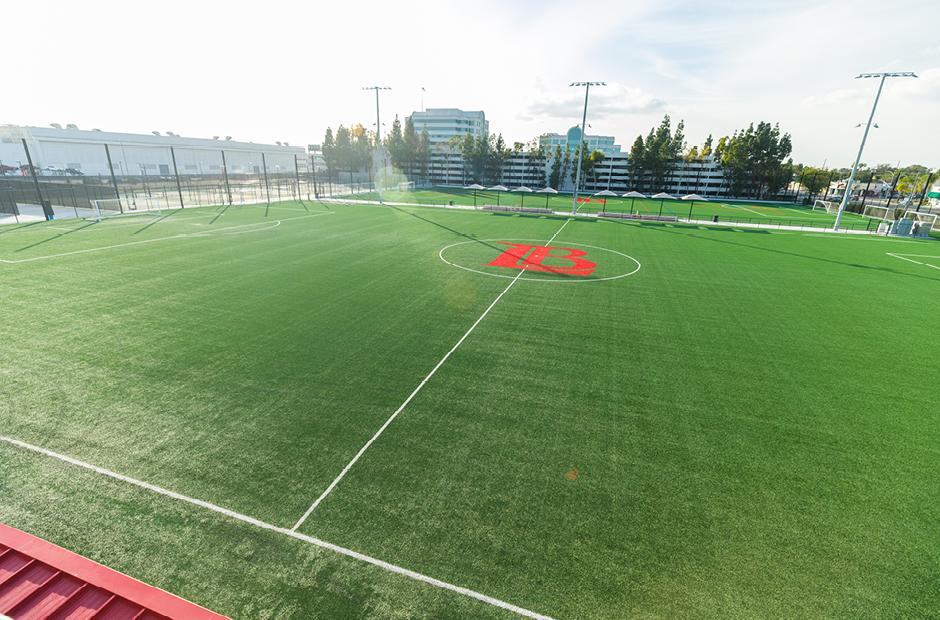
x=277 y=70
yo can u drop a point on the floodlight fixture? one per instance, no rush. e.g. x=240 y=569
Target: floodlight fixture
x=858 y=158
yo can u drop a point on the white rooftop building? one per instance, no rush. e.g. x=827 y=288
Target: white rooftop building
x=442 y=124
x=72 y=151
x=571 y=140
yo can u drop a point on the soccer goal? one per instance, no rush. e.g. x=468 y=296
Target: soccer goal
x=885 y=214
x=826 y=205
x=406 y=186
x=106 y=207
x=923 y=223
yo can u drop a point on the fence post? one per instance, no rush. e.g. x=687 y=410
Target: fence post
x=313 y=168
x=923 y=194
x=264 y=167
x=297 y=176
x=117 y=194
x=32 y=171
x=228 y=188
x=176 y=173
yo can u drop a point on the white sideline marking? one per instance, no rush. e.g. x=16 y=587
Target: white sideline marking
x=411 y=396
x=916 y=262
x=393 y=568
x=206 y=233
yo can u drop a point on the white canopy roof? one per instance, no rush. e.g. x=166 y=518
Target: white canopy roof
x=499 y=188
x=605 y=192
x=522 y=188
x=634 y=195
x=662 y=195
x=547 y=190
x=694 y=197
x=475 y=186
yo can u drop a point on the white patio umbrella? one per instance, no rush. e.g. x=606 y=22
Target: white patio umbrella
x=693 y=198
x=604 y=193
x=633 y=195
x=547 y=191
x=663 y=196
x=475 y=187
x=498 y=189
x=524 y=190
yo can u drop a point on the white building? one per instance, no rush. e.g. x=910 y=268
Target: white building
x=71 y=151
x=572 y=139
x=442 y=124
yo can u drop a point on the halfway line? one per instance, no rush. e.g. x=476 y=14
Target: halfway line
x=411 y=396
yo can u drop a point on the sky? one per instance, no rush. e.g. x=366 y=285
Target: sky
x=282 y=70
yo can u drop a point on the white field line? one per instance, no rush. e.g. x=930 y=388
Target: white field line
x=860 y=236
x=916 y=262
x=411 y=396
x=393 y=568
x=206 y=233
x=745 y=208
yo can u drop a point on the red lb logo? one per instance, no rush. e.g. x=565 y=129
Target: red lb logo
x=530 y=258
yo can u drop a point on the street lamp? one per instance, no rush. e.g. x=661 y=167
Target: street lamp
x=848 y=185
x=577 y=178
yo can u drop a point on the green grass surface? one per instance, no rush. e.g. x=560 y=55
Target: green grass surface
x=784 y=214
x=740 y=413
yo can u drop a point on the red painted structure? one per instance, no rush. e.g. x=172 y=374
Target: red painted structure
x=41 y=580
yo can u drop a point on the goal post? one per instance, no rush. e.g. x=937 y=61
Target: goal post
x=923 y=222
x=406 y=186
x=106 y=207
x=826 y=205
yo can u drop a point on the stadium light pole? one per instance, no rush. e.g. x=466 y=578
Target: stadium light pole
x=858 y=158
x=378 y=128
x=577 y=177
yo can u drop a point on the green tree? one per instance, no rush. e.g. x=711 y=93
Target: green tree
x=424 y=154
x=329 y=152
x=555 y=175
x=706 y=147
x=535 y=164
x=637 y=161
x=412 y=148
x=344 y=150
x=814 y=179
x=395 y=145
x=756 y=160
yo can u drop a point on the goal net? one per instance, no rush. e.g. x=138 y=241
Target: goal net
x=887 y=214
x=923 y=223
x=106 y=207
x=406 y=186
x=826 y=205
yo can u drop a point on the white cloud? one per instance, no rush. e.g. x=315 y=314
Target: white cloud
x=286 y=70
x=604 y=102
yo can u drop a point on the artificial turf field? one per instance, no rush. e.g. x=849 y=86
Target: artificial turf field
x=744 y=426
x=763 y=213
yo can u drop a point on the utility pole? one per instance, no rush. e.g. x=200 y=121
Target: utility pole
x=858 y=158
x=581 y=147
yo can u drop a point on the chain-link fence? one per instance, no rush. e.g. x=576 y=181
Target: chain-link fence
x=177 y=177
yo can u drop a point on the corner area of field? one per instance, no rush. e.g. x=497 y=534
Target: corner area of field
x=742 y=426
